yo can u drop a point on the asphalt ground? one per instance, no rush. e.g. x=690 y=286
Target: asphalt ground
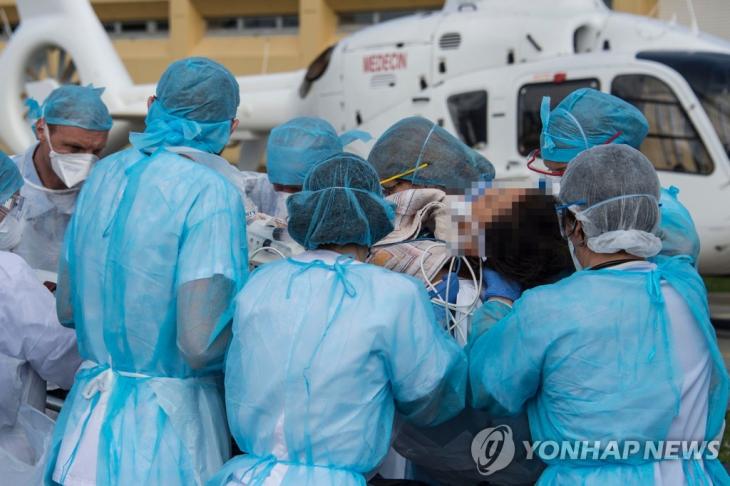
x=720 y=310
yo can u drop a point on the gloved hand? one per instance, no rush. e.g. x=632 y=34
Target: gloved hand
x=453 y=288
x=497 y=285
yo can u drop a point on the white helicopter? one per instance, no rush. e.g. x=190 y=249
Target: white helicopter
x=479 y=68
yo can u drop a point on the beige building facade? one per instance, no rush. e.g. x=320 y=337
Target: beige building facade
x=248 y=36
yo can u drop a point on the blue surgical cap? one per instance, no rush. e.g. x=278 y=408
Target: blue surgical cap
x=341 y=203
x=10 y=179
x=199 y=89
x=420 y=151
x=73 y=106
x=196 y=102
x=587 y=118
x=299 y=144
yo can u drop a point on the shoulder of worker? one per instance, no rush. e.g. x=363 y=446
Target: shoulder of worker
x=393 y=283
x=177 y=168
x=13 y=269
x=552 y=300
x=28 y=153
x=681 y=267
x=381 y=278
x=191 y=171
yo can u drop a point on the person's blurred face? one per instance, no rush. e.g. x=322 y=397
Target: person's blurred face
x=494 y=205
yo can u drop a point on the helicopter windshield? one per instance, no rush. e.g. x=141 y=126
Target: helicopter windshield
x=708 y=74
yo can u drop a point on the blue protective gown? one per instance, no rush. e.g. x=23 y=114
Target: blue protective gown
x=144 y=228
x=442 y=454
x=592 y=358
x=676 y=228
x=321 y=357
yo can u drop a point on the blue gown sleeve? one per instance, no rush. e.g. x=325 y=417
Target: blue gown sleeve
x=427 y=367
x=485 y=317
x=64 y=293
x=212 y=267
x=505 y=363
x=214 y=237
x=29 y=328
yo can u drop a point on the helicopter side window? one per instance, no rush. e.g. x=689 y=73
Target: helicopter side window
x=673 y=144
x=708 y=74
x=469 y=113
x=529 y=100
x=315 y=71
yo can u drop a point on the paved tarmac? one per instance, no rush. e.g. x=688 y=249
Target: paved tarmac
x=720 y=309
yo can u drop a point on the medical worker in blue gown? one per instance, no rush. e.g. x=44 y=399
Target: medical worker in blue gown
x=621 y=350
x=588 y=118
x=153 y=257
x=292 y=149
x=326 y=348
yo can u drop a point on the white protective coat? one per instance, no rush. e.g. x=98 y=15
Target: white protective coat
x=33 y=347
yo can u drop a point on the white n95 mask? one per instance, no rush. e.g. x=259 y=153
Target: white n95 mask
x=281 y=210
x=11 y=231
x=576 y=263
x=72 y=169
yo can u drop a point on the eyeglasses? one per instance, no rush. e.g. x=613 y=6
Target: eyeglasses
x=535 y=154
x=561 y=209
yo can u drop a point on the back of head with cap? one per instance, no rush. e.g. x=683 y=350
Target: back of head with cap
x=196 y=101
x=588 y=118
x=10 y=179
x=420 y=151
x=341 y=203
x=613 y=190
x=199 y=89
x=296 y=146
x=74 y=106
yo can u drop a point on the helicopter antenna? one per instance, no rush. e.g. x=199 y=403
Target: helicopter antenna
x=653 y=11
x=693 y=17
x=7 y=28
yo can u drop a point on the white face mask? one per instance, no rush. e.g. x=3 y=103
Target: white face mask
x=72 y=169
x=281 y=209
x=11 y=231
x=553 y=184
x=576 y=263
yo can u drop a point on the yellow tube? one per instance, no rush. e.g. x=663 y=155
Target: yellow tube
x=402 y=174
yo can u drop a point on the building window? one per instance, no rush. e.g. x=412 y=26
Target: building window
x=137 y=28
x=349 y=21
x=529 y=124
x=254 y=25
x=469 y=113
x=673 y=144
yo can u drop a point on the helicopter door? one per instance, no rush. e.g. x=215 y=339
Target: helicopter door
x=377 y=80
x=683 y=146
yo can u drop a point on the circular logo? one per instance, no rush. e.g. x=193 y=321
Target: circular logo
x=493 y=449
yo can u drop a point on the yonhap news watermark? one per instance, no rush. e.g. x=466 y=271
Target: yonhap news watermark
x=493 y=449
